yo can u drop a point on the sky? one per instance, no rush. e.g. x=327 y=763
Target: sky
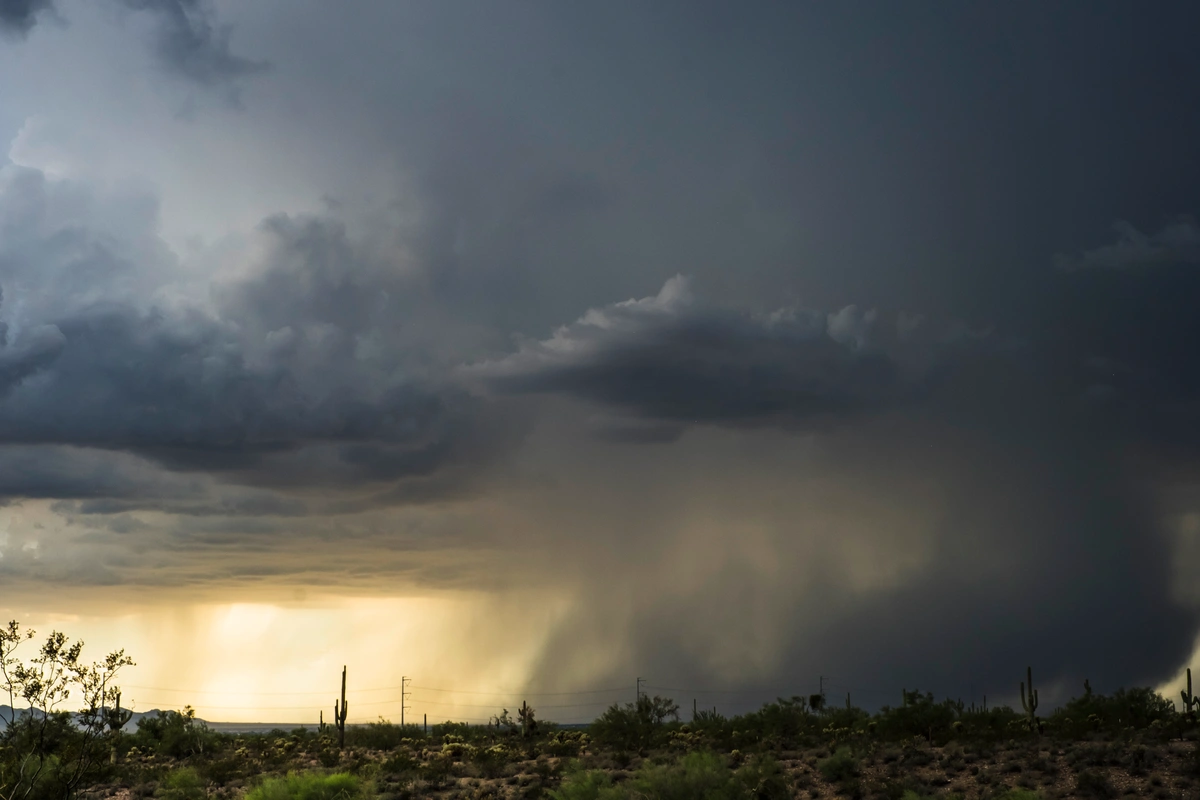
x=526 y=349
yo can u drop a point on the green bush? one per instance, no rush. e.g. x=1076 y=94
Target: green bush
x=1094 y=785
x=221 y=770
x=181 y=784
x=1020 y=794
x=588 y=785
x=635 y=726
x=174 y=733
x=919 y=716
x=696 y=775
x=381 y=735
x=763 y=779
x=841 y=766
x=309 y=786
x=702 y=775
x=1139 y=708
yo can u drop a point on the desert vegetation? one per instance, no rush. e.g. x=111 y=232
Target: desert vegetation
x=66 y=741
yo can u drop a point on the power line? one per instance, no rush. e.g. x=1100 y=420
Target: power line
x=377 y=689
x=251 y=694
x=261 y=708
x=498 y=705
x=524 y=694
x=707 y=691
x=405 y=689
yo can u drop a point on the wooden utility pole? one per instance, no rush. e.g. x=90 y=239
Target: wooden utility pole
x=638 y=696
x=403 y=696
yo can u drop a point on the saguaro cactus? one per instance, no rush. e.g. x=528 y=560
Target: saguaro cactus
x=1030 y=702
x=339 y=713
x=528 y=723
x=1190 y=701
x=116 y=718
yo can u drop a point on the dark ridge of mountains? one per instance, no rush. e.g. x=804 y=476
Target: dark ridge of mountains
x=8 y=712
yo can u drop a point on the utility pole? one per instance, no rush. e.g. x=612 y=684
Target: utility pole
x=403 y=696
x=639 y=689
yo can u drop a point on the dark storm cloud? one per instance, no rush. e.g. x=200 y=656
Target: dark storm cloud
x=193 y=44
x=1040 y=512
x=634 y=430
x=287 y=382
x=107 y=483
x=33 y=353
x=975 y=498
x=53 y=472
x=675 y=361
x=21 y=15
x=1178 y=242
x=190 y=42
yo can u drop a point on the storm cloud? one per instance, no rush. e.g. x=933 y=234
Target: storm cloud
x=192 y=43
x=20 y=16
x=1033 y=506
x=1178 y=242
x=673 y=359
x=796 y=341
x=283 y=376
x=189 y=42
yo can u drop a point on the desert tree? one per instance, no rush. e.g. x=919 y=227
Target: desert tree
x=49 y=751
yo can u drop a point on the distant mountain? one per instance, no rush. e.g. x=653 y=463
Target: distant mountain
x=7 y=713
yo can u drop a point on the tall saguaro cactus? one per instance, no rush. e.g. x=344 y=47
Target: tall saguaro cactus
x=116 y=718
x=1030 y=702
x=1190 y=701
x=528 y=723
x=339 y=713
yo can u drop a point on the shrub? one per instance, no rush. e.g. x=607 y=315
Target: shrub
x=634 y=726
x=181 y=784
x=919 y=716
x=1093 y=784
x=308 y=786
x=400 y=763
x=1139 y=708
x=381 y=735
x=175 y=733
x=588 y=785
x=46 y=750
x=1019 y=794
x=695 y=775
x=763 y=779
x=222 y=770
x=840 y=766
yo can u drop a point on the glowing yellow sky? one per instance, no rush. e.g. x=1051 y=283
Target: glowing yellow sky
x=253 y=662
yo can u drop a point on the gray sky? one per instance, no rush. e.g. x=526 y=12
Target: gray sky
x=728 y=346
